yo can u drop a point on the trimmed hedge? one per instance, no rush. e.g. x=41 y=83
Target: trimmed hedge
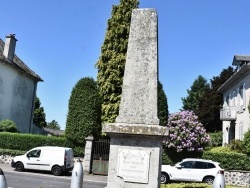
x=229 y=160
x=25 y=142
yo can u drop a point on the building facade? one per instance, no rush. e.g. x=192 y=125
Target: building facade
x=18 y=84
x=235 y=114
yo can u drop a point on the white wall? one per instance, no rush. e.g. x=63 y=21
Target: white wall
x=242 y=123
x=16 y=97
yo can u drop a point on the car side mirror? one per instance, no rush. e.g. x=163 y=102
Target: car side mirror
x=28 y=155
x=178 y=166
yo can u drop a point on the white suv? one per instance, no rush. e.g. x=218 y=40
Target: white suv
x=192 y=170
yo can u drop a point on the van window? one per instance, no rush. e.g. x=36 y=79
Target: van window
x=34 y=153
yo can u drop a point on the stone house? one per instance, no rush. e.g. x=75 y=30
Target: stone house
x=235 y=114
x=18 y=84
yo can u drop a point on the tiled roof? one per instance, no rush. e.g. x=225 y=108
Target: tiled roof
x=18 y=64
x=235 y=78
x=54 y=131
x=241 y=58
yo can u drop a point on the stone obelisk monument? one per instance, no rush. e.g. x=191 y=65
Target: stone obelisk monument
x=136 y=137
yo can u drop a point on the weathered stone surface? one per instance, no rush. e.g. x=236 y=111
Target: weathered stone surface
x=136 y=131
x=142 y=129
x=139 y=91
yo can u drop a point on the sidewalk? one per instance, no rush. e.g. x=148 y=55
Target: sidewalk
x=86 y=177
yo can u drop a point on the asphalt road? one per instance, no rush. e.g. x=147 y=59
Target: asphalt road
x=37 y=179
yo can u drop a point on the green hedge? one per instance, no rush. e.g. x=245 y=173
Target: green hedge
x=25 y=142
x=229 y=160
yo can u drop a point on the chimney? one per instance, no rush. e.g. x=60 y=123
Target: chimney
x=9 y=48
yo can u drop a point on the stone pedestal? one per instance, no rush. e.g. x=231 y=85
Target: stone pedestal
x=135 y=155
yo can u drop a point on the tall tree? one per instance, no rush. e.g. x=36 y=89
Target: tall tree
x=84 y=113
x=39 y=118
x=195 y=95
x=53 y=125
x=111 y=62
x=162 y=105
x=212 y=101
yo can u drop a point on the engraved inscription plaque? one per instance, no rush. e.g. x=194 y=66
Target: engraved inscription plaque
x=133 y=165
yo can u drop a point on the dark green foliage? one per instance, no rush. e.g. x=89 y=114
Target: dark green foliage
x=236 y=145
x=25 y=142
x=229 y=160
x=53 y=125
x=212 y=101
x=246 y=142
x=162 y=105
x=172 y=156
x=215 y=139
x=84 y=115
x=39 y=118
x=111 y=62
x=195 y=95
x=11 y=152
x=188 y=185
x=8 y=126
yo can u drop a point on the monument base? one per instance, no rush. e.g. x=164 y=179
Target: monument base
x=135 y=155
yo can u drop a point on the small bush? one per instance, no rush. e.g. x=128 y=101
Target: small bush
x=246 y=142
x=215 y=139
x=8 y=126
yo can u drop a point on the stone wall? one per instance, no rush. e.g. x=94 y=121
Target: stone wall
x=239 y=178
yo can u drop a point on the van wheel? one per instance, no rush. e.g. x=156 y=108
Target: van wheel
x=19 y=166
x=56 y=170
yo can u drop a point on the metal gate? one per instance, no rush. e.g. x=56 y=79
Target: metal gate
x=100 y=158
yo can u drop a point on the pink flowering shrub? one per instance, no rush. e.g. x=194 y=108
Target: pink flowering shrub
x=186 y=132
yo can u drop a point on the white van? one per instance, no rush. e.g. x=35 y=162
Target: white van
x=48 y=158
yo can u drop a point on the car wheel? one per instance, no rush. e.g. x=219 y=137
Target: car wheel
x=164 y=178
x=208 y=180
x=56 y=170
x=19 y=166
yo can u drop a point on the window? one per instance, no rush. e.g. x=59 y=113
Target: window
x=200 y=165
x=187 y=164
x=34 y=153
x=210 y=165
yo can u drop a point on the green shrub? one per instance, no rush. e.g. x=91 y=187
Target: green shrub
x=229 y=160
x=221 y=149
x=8 y=126
x=11 y=152
x=171 y=156
x=215 y=139
x=246 y=142
x=25 y=142
x=236 y=145
x=186 y=185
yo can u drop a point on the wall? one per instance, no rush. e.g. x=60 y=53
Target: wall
x=16 y=97
x=242 y=123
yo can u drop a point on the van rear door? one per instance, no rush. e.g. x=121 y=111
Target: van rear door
x=69 y=158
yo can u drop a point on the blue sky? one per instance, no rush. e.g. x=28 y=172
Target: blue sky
x=61 y=40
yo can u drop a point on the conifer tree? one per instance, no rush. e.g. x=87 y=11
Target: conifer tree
x=39 y=117
x=84 y=115
x=112 y=60
x=162 y=105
